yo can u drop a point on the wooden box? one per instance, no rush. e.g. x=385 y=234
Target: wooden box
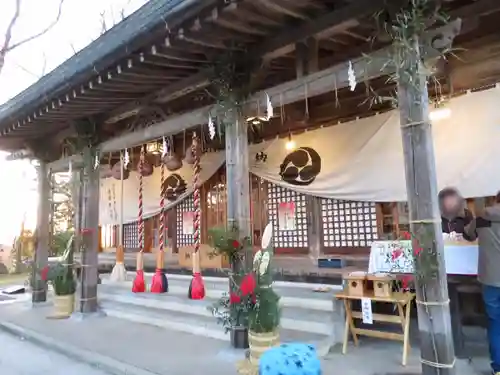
x=382 y=285
x=185 y=257
x=356 y=283
x=207 y=260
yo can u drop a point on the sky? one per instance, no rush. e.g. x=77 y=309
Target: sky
x=80 y=24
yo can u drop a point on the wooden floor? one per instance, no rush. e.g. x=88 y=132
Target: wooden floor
x=298 y=265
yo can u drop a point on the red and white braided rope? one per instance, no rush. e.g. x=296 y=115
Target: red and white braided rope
x=140 y=221
x=196 y=194
x=162 y=208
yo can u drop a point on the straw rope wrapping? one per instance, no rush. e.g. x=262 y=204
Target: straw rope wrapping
x=162 y=208
x=140 y=221
x=196 y=194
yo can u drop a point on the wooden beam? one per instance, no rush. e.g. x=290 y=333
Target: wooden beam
x=366 y=68
x=277 y=46
x=42 y=243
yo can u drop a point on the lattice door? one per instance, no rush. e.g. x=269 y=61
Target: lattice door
x=131 y=236
x=288 y=238
x=348 y=224
x=186 y=206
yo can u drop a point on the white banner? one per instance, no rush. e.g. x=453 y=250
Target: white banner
x=363 y=160
x=461 y=257
x=180 y=183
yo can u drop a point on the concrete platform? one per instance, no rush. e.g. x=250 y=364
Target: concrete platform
x=122 y=347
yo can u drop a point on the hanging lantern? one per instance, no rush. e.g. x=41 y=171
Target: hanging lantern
x=172 y=162
x=116 y=171
x=154 y=148
x=147 y=167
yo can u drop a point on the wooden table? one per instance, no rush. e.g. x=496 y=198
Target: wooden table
x=400 y=300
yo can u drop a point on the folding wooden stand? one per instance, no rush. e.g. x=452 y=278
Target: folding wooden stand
x=400 y=300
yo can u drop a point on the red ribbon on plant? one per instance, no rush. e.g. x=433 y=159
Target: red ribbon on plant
x=234 y=299
x=248 y=284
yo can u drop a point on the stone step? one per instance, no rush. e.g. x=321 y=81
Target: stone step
x=311 y=296
x=306 y=315
x=298 y=319
x=193 y=317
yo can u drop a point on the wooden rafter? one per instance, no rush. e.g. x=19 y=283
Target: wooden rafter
x=285 y=39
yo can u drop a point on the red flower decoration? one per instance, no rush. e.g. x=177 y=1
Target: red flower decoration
x=396 y=254
x=406 y=235
x=248 y=284
x=405 y=282
x=236 y=244
x=234 y=298
x=418 y=250
x=44 y=273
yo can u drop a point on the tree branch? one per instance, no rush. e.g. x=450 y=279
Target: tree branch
x=7 y=47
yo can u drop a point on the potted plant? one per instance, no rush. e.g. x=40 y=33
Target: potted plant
x=264 y=318
x=63 y=281
x=233 y=308
x=232 y=311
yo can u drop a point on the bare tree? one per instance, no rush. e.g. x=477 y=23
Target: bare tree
x=9 y=45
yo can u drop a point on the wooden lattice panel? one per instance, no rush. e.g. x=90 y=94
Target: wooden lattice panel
x=186 y=206
x=287 y=238
x=131 y=236
x=348 y=224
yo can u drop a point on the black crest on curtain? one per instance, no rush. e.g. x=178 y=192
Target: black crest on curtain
x=174 y=186
x=301 y=167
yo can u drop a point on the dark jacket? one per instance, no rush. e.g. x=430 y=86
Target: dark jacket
x=459 y=220
x=458 y=224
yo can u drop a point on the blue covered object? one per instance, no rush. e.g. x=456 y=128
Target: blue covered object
x=290 y=359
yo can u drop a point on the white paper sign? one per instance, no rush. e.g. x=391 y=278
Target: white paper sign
x=461 y=257
x=366 y=310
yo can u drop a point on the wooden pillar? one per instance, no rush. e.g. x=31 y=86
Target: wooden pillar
x=42 y=237
x=89 y=234
x=307 y=63
x=436 y=339
x=237 y=169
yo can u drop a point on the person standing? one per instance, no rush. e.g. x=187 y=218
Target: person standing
x=456 y=219
x=488 y=230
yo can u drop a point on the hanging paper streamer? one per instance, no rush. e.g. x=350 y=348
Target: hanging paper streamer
x=110 y=205
x=164 y=150
x=211 y=127
x=96 y=162
x=351 y=76
x=269 y=107
x=115 y=211
x=126 y=159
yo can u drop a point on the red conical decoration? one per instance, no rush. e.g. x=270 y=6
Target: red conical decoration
x=157 y=282
x=139 y=285
x=197 y=287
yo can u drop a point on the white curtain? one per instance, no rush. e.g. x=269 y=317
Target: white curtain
x=110 y=191
x=363 y=160
x=360 y=160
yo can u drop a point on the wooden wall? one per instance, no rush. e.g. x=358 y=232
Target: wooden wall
x=347 y=228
